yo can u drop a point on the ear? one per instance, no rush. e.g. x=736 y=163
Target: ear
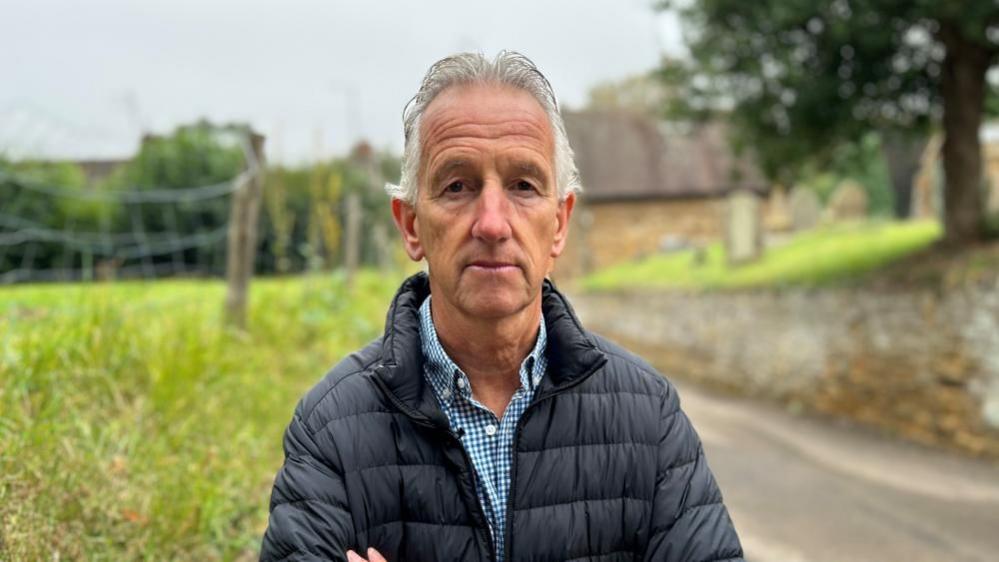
x=405 y=220
x=562 y=217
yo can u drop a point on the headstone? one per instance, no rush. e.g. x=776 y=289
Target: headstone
x=743 y=227
x=991 y=156
x=806 y=209
x=778 y=211
x=926 y=197
x=848 y=201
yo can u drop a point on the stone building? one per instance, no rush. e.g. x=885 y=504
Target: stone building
x=648 y=186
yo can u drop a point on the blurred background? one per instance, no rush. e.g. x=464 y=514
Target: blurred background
x=791 y=209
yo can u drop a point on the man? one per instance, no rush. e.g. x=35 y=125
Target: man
x=486 y=423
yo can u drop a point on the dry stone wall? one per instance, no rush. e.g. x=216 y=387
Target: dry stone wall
x=923 y=364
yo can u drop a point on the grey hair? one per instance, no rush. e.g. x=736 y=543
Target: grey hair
x=509 y=68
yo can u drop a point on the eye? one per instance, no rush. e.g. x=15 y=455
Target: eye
x=455 y=187
x=524 y=185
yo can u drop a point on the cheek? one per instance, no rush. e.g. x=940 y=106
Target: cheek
x=544 y=238
x=548 y=227
x=433 y=231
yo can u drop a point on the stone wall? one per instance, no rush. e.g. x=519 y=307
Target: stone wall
x=922 y=364
x=606 y=233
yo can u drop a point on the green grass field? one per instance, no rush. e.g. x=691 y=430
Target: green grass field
x=820 y=257
x=134 y=426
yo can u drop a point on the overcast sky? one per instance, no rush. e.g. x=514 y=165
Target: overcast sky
x=82 y=79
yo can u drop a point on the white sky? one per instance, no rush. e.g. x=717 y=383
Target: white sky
x=82 y=79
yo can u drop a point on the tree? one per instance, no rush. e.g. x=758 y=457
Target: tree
x=802 y=76
x=642 y=94
x=191 y=156
x=42 y=203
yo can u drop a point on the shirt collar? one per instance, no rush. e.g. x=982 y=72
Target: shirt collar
x=447 y=379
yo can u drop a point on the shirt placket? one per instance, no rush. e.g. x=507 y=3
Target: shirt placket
x=486 y=434
x=493 y=454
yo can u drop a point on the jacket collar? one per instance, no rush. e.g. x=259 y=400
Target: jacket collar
x=572 y=353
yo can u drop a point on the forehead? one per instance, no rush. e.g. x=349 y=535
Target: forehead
x=484 y=112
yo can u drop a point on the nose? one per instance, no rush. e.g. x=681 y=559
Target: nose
x=492 y=214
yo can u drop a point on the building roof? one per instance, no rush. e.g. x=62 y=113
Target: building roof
x=624 y=156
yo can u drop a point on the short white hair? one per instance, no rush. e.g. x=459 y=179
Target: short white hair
x=508 y=68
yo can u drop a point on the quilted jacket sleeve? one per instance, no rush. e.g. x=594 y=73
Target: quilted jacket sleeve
x=689 y=521
x=309 y=515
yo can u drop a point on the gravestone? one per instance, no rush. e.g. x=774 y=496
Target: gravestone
x=848 y=201
x=806 y=209
x=777 y=216
x=990 y=154
x=743 y=227
x=927 y=184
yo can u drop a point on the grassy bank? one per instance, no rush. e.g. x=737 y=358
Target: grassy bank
x=133 y=426
x=820 y=257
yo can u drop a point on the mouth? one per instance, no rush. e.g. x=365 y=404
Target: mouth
x=492 y=266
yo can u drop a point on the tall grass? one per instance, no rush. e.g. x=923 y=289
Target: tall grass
x=134 y=426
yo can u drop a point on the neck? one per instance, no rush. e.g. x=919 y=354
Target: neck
x=487 y=347
x=488 y=351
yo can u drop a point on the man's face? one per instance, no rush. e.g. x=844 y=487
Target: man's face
x=487 y=217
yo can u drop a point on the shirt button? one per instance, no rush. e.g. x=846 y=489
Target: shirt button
x=461 y=383
x=490 y=430
x=446 y=394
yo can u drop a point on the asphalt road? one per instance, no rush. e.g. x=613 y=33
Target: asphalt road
x=802 y=489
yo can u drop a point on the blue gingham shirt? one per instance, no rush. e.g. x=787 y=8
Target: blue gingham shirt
x=488 y=440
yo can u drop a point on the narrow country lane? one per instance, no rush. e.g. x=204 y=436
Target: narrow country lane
x=801 y=489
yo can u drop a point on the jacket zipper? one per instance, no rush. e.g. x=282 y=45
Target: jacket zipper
x=478 y=505
x=507 y=531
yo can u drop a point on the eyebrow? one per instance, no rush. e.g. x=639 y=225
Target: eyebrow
x=447 y=167
x=530 y=169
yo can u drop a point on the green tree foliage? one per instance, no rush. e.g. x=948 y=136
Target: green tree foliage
x=192 y=156
x=800 y=77
x=46 y=205
x=22 y=201
x=26 y=189
x=642 y=93
x=302 y=219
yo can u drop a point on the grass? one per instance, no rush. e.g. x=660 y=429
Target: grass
x=134 y=426
x=820 y=257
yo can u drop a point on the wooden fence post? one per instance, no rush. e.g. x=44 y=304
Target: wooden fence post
x=242 y=236
x=352 y=253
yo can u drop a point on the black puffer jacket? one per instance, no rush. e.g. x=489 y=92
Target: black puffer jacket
x=605 y=465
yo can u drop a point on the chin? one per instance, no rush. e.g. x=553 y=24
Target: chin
x=494 y=304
